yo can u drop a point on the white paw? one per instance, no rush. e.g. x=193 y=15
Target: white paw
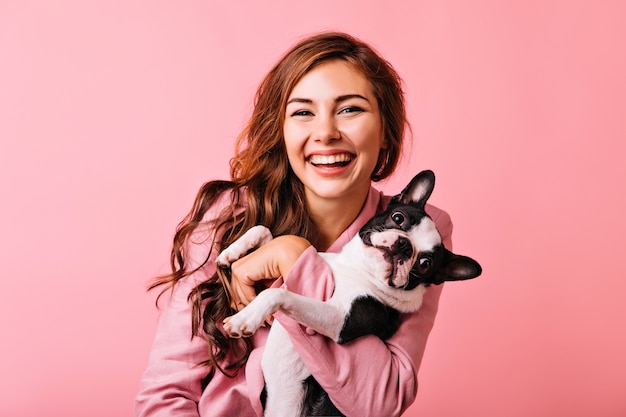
x=247 y=321
x=242 y=324
x=228 y=256
x=253 y=238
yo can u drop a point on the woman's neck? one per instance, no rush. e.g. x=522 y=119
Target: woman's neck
x=332 y=218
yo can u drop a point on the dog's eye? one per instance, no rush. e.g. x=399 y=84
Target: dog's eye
x=398 y=218
x=424 y=264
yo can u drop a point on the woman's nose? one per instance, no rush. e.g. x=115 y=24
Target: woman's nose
x=326 y=130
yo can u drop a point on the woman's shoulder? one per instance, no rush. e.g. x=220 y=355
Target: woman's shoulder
x=439 y=216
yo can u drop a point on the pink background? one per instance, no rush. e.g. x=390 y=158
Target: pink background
x=113 y=113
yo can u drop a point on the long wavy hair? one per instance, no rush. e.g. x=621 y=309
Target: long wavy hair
x=263 y=189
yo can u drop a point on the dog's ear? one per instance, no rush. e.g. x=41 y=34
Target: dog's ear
x=457 y=268
x=418 y=191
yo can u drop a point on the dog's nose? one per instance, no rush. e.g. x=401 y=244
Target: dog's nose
x=403 y=247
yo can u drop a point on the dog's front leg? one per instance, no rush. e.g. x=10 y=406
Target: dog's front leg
x=326 y=318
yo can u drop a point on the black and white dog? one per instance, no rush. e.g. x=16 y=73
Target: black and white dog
x=380 y=273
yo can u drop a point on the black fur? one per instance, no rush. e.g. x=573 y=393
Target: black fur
x=316 y=401
x=369 y=315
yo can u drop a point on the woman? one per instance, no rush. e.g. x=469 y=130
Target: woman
x=328 y=120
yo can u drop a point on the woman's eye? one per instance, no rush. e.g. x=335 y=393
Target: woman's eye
x=350 y=109
x=301 y=113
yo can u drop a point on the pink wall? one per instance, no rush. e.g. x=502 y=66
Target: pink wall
x=113 y=113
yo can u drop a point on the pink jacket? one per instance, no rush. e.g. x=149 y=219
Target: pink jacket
x=367 y=377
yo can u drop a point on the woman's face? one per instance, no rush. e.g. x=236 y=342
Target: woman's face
x=333 y=132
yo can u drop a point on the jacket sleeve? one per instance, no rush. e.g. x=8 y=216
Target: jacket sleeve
x=171 y=383
x=367 y=377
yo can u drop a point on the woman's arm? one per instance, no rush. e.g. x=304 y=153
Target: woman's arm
x=268 y=262
x=171 y=384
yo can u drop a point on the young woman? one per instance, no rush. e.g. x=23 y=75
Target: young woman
x=328 y=120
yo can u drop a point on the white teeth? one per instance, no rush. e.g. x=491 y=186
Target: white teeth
x=329 y=159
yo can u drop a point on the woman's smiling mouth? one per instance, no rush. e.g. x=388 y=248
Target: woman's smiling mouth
x=331 y=161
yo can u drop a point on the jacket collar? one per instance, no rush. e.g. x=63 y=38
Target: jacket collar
x=371 y=206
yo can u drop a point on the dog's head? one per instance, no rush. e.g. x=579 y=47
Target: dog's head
x=410 y=244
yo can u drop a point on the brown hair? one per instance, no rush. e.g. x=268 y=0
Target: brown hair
x=264 y=188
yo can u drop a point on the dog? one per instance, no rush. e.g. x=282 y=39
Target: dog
x=381 y=272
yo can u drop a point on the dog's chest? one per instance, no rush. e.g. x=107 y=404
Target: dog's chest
x=350 y=281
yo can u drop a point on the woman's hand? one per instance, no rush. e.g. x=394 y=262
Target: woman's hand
x=259 y=269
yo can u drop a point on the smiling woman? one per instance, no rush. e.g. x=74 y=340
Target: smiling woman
x=328 y=120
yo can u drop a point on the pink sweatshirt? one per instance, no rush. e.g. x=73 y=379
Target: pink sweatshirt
x=367 y=377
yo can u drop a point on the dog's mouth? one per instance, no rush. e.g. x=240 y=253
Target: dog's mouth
x=401 y=274
x=399 y=268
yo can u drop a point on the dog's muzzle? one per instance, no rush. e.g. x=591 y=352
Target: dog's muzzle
x=398 y=252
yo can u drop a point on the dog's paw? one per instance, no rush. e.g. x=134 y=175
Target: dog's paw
x=241 y=324
x=247 y=321
x=256 y=236
x=227 y=257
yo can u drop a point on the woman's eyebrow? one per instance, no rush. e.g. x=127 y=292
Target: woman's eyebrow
x=350 y=96
x=337 y=100
x=300 y=100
